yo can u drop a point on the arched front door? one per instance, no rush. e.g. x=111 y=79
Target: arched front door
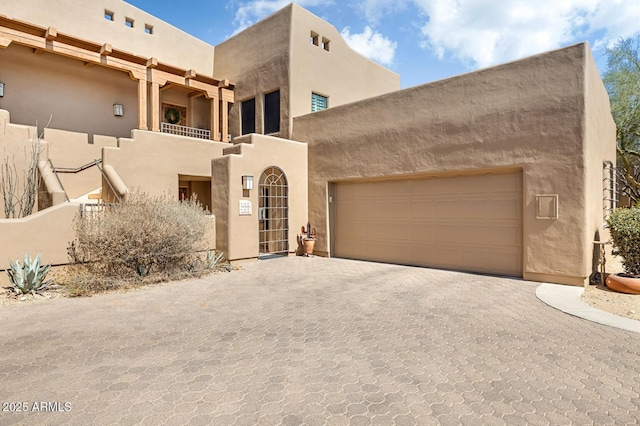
x=273 y=213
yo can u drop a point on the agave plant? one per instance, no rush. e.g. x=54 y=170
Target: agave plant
x=28 y=278
x=213 y=260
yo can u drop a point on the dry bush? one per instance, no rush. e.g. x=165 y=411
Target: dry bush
x=140 y=236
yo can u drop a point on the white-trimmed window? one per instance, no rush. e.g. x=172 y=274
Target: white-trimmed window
x=318 y=102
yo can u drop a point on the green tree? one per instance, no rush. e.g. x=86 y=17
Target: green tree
x=622 y=80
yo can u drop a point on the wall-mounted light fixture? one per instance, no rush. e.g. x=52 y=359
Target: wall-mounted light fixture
x=1 y=90
x=247 y=182
x=118 y=110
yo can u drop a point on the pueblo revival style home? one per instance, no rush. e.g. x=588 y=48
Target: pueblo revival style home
x=497 y=171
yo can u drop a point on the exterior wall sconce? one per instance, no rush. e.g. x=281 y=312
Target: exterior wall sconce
x=118 y=110
x=1 y=90
x=247 y=182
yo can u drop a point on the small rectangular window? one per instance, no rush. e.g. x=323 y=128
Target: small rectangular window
x=108 y=15
x=148 y=29
x=248 y=116
x=314 y=38
x=325 y=44
x=272 y=112
x=318 y=102
x=128 y=22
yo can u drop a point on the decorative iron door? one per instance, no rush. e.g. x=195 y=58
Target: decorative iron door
x=273 y=213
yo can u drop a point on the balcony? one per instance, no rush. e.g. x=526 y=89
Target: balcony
x=191 y=132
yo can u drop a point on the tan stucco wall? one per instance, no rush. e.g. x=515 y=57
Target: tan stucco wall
x=152 y=162
x=238 y=235
x=341 y=74
x=257 y=61
x=276 y=53
x=75 y=97
x=47 y=232
x=527 y=115
x=16 y=142
x=72 y=150
x=86 y=20
x=600 y=129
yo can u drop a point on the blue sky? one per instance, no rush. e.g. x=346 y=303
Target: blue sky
x=427 y=40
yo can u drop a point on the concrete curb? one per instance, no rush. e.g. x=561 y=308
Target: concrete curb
x=567 y=299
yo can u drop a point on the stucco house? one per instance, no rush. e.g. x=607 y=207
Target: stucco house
x=497 y=171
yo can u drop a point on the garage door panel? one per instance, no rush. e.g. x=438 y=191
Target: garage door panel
x=471 y=223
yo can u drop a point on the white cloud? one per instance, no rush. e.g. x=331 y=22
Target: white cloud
x=371 y=44
x=250 y=12
x=486 y=32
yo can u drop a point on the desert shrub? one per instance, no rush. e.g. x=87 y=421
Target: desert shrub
x=139 y=236
x=624 y=225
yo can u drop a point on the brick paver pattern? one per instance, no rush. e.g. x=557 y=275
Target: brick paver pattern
x=315 y=341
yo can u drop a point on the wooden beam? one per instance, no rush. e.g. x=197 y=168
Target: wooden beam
x=189 y=74
x=106 y=50
x=195 y=94
x=224 y=118
x=142 y=104
x=38 y=51
x=215 y=119
x=89 y=64
x=227 y=95
x=4 y=42
x=152 y=62
x=9 y=35
x=155 y=107
x=51 y=33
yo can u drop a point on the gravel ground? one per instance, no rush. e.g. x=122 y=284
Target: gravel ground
x=624 y=305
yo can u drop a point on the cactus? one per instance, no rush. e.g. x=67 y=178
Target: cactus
x=213 y=261
x=311 y=232
x=28 y=278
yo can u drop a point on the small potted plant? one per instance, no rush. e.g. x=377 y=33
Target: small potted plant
x=624 y=224
x=309 y=239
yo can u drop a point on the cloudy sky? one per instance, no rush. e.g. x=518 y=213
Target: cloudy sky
x=426 y=40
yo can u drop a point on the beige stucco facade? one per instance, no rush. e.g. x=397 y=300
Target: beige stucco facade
x=546 y=116
x=87 y=21
x=278 y=53
x=514 y=152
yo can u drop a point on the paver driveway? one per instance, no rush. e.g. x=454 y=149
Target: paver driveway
x=317 y=341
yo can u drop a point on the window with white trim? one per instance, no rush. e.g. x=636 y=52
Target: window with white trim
x=318 y=102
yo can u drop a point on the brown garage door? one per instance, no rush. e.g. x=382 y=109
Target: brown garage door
x=468 y=223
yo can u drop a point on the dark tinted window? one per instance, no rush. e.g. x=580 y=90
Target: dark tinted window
x=249 y=116
x=272 y=112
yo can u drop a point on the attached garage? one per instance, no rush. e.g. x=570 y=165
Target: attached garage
x=468 y=223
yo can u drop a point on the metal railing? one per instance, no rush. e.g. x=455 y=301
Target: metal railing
x=106 y=178
x=191 y=132
x=55 y=173
x=76 y=169
x=95 y=210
